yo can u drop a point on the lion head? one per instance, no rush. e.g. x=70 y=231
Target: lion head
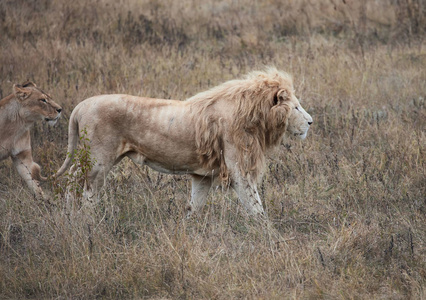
x=268 y=108
x=36 y=104
x=299 y=120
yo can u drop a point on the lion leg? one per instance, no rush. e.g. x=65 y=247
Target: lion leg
x=200 y=189
x=29 y=171
x=248 y=195
x=95 y=181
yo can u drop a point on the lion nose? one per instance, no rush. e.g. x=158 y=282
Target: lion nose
x=59 y=110
x=310 y=123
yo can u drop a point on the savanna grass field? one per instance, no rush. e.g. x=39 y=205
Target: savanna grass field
x=346 y=206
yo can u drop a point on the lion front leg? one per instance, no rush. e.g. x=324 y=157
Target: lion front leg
x=200 y=189
x=29 y=171
x=248 y=195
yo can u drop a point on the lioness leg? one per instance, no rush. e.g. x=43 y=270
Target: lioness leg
x=29 y=171
x=200 y=189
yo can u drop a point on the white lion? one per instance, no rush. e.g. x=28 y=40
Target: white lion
x=221 y=134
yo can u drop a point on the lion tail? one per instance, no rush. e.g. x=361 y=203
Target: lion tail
x=72 y=143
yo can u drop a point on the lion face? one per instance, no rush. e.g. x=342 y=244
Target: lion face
x=299 y=120
x=36 y=104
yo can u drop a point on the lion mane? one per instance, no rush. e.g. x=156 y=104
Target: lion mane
x=255 y=126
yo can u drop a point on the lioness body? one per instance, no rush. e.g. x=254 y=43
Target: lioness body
x=18 y=112
x=218 y=135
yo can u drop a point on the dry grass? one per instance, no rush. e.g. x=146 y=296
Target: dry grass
x=347 y=206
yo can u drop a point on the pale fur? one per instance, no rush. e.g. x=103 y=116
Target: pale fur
x=218 y=135
x=18 y=112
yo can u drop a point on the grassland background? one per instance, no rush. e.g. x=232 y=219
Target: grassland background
x=347 y=205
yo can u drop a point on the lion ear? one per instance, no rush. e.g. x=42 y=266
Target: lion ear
x=281 y=96
x=20 y=92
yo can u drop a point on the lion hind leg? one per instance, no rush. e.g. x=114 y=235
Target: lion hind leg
x=95 y=181
x=92 y=182
x=200 y=189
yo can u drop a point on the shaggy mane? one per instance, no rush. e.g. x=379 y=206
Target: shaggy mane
x=256 y=126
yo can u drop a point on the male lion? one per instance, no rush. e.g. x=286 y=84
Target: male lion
x=221 y=134
x=18 y=112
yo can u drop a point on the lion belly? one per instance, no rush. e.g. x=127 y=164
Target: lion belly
x=182 y=169
x=177 y=170
x=169 y=158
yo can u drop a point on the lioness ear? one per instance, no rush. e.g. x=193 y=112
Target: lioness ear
x=20 y=92
x=28 y=84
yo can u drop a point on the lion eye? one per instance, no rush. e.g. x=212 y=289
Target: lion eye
x=297 y=107
x=43 y=100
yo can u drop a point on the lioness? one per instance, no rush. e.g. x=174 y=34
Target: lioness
x=221 y=134
x=18 y=112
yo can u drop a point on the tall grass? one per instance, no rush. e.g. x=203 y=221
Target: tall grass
x=346 y=206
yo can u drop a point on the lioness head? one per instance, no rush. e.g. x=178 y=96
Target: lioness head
x=299 y=120
x=36 y=104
